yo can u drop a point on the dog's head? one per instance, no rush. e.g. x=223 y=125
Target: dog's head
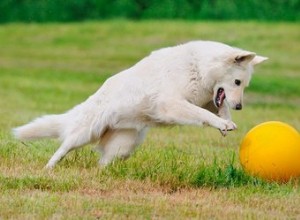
x=230 y=85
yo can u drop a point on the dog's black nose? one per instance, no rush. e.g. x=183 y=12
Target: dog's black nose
x=238 y=106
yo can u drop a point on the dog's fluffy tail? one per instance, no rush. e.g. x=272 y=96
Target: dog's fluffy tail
x=48 y=126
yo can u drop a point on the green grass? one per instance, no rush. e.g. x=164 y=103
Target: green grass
x=179 y=172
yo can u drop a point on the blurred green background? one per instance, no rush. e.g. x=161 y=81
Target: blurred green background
x=78 y=10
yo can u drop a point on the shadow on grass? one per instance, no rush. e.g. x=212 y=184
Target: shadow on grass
x=230 y=176
x=172 y=168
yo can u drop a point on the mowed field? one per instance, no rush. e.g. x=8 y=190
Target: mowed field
x=178 y=172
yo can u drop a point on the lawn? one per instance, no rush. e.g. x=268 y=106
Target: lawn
x=178 y=172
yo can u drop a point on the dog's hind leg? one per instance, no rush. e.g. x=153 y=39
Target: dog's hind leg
x=119 y=143
x=70 y=143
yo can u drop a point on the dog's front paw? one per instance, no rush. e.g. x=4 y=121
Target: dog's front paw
x=227 y=125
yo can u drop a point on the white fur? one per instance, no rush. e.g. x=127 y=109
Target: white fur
x=175 y=85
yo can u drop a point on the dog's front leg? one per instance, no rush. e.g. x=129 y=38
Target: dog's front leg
x=224 y=112
x=183 y=112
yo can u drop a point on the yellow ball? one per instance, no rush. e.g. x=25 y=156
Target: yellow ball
x=271 y=151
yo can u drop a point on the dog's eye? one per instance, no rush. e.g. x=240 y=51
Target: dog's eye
x=237 y=82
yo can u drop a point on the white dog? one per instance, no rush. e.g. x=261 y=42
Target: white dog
x=185 y=84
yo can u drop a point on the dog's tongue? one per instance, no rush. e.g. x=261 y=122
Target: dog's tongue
x=220 y=97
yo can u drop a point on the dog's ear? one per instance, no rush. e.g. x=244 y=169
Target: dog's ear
x=258 y=60
x=244 y=58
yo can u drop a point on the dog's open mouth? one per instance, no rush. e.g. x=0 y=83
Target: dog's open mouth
x=220 y=97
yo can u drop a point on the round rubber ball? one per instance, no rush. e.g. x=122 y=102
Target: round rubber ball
x=271 y=151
